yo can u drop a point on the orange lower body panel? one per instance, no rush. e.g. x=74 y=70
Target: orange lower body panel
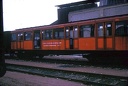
x=67 y=44
x=106 y=43
x=121 y=43
x=100 y=43
x=109 y=43
x=87 y=44
x=20 y=45
x=28 y=45
x=76 y=43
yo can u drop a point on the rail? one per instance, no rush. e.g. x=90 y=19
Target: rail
x=86 y=78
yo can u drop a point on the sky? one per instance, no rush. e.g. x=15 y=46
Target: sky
x=19 y=14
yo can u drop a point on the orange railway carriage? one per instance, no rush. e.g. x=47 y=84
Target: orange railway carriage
x=104 y=36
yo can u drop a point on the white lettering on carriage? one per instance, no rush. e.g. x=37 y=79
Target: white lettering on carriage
x=52 y=44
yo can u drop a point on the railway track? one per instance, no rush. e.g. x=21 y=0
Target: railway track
x=86 y=78
x=77 y=62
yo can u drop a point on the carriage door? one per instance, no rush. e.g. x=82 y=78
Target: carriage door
x=71 y=37
x=71 y=40
x=37 y=40
x=105 y=36
x=20 y=43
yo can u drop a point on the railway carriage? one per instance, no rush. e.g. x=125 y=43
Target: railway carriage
x=96 y=37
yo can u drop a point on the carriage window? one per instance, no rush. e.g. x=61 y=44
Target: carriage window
x=13 y=37
x=109 y=29
x=28 y=35
x=75 y=32
x=87 y=31
x=43 y=35
x=100 y=30
x=71 y=32
x=67 y=32
x=58 y=33
x=48 y=34
x=20 y=37
x=121 y=28
x=61 y=34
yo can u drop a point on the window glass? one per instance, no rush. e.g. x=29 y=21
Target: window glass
x=109 y=29
x=36 y=36
x=71 y=33
x=58 y=33
x=43 y=35
x=75 y=32
x=28 y=35
x=20 y=36
x=13 y=37
x=87 y=31
x=48 y=34
x=100 y=30
x=61 y=34
x=121 y=28
x=67 y=32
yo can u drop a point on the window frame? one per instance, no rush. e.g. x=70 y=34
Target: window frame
x=15 y=37
x=57 y=33
x=122 y=28
x=20 y=36
x=108 y=32
x=92 y=30
x=67 y=32
x=75 y=32
x=48 y=32
x=30 y=38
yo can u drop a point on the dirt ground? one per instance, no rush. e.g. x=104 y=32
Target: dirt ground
x=21 y=79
